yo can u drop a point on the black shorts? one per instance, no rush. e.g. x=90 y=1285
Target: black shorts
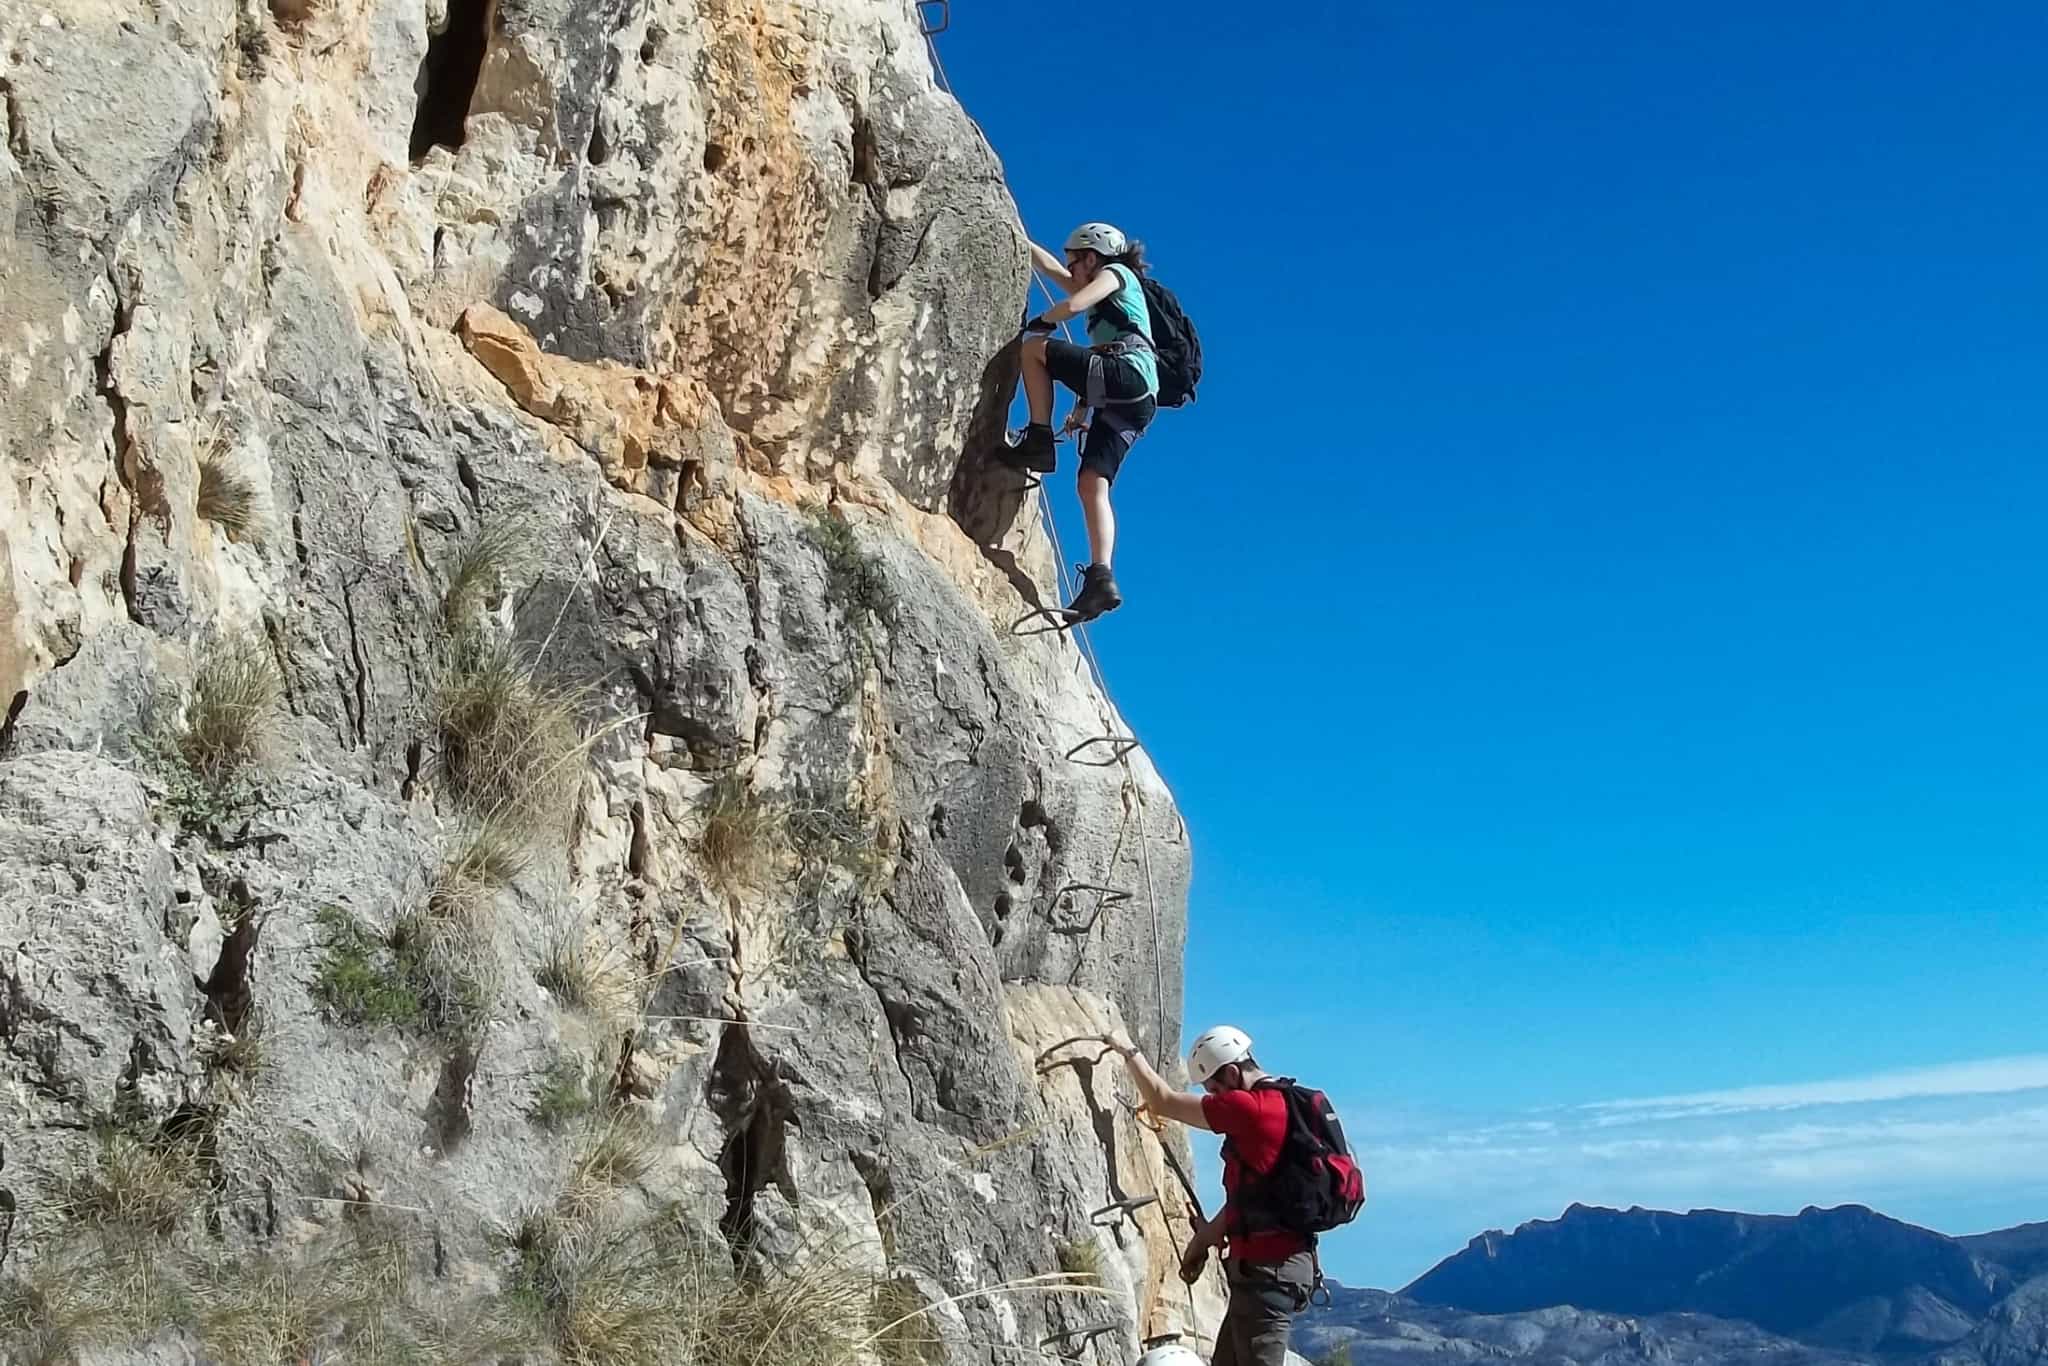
x=1100 y=381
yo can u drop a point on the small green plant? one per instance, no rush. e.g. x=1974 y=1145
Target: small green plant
x=743 y=835
x=231 y=714
x=491 y=556
x=854 y=577
x=838 y=832
x=240 y=1053
x=510 y=748
x=1081 y=1260
x=360 y=980
x=570 y=1087
x=1341 y=1356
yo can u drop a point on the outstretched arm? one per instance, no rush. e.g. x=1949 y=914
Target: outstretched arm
x=1079 y=301
x=1054 y=265
x=1159 y=1097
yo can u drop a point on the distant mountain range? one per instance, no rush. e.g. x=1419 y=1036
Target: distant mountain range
x=1825 y=1287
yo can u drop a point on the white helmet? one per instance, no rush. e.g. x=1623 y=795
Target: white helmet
x=1218 y=1047
x=1101 y=238
x=1173 y=1354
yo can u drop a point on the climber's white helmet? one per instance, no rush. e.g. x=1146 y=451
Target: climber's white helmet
x=1101 y=238
x=1173 y=1354
x=1218 y=1047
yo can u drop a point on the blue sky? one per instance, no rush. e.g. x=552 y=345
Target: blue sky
x=1593 y=619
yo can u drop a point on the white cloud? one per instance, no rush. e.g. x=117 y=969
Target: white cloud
x=1985 y=1077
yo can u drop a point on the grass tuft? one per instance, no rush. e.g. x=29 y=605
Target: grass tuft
x=854 y=577
x=134 y=1187
x=359 y=980
x=583 y=976
x=451 y=965
x=838 y=832
x=1082 y=1261
x=570 y=1087
x=618 y=1149
x=231 y=715
x=491 y=557
x=645 y=1292
x=743 y=835
x=510 y=748
x=228 y=498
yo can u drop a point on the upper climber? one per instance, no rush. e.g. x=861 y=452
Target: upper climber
x=1287 y=1174
x=1116 y=377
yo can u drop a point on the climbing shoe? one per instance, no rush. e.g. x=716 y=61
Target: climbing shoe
x=1098 y=594
x=1033 y=451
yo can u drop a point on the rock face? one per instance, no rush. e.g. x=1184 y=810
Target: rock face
x=650 y=353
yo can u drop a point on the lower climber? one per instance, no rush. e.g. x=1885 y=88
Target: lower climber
x=1287 y=1175
x=1115 y=379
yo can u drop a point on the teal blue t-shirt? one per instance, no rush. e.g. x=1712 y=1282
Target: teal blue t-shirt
x=1131 y=301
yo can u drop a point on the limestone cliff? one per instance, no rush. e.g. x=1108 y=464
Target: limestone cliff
x=511 y=723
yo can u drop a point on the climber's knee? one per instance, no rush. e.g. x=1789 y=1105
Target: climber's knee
x=1034 y=351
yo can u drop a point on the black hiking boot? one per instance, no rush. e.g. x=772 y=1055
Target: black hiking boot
x=1098 y=594
x=1034 y=451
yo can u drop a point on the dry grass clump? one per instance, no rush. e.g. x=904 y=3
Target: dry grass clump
x=492 y=555
x=495 y=854
x=135 y=1186
x=618 y=1148
x=228 y=497
x=451 y=964
x=584 y=976
x=92 y=1292
x=231 y=714
x=744 y=834
x=647 y=1292
x=510 y=747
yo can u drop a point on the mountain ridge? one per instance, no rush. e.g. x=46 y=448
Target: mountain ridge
x=1824 y=1287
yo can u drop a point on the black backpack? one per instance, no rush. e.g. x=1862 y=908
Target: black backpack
x=1315 y=1184
x=1173 y=338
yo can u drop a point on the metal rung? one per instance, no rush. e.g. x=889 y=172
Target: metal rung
x=1050 y=621
x=925 y=25
x=1046 y=1063
x=1106 y=897
x=1121 y=1210
x=1080 y=1337
x=1119 y=746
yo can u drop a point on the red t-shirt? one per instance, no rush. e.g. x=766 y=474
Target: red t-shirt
x=1255 y=1122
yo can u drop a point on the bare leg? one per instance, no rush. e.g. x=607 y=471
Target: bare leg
x=1094 y=491
x=1037 y=382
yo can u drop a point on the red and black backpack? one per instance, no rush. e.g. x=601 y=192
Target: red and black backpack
x=1315 y=1184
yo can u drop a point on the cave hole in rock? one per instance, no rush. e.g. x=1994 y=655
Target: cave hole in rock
x=448 y=76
